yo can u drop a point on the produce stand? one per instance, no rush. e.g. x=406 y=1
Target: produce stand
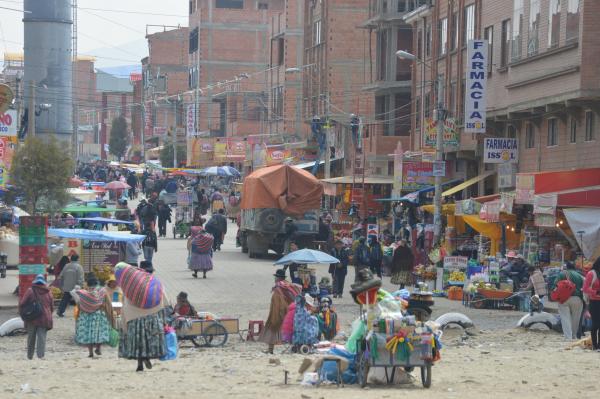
x=393 y=343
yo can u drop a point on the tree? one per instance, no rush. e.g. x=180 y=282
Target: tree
x=40 y=173
x=166 y=155
x=119 y=139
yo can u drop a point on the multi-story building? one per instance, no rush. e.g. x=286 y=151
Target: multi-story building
x=228 y=43
x=542 y=85
x=164 y=80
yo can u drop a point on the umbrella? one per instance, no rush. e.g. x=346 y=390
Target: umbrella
x=307 y=256
x=221 y=171
x=75 y=182
x=117 y=185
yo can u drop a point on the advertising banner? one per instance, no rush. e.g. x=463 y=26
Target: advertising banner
x=8 y=123
x=8 y=146
x=500 y=150
x=475 y=88
x=451 y=139
x=220 y=150
x=236 y=148
x=525 y=189
x=191 y=120
x=418 y=175
x=277 y=155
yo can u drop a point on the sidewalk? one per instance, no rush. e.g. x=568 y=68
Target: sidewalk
x=7 y=286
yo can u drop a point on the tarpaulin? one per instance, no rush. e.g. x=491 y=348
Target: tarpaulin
x=586 y=221
x=95 y=235
x=290 y=189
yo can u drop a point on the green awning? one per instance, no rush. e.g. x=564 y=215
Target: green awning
x=87 y=209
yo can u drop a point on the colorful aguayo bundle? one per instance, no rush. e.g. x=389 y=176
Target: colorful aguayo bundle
x=90 y=301
x=399 y=345
x=141 y=288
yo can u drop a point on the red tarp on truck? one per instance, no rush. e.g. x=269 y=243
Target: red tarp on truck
x=290 y=189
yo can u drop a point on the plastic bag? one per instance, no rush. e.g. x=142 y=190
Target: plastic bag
x=114 y=338
x=171 y=345
x=329 y=370
x=359 y=330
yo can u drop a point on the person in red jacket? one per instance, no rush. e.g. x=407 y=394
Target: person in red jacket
x=591 y=289
x=37 y=328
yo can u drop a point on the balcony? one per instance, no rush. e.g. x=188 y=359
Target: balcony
x=391 y=10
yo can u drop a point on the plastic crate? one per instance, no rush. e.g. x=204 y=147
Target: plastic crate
x=33 y=221
x=32 y=240
x=32 y=259
x=32 y=230
x=37 y=250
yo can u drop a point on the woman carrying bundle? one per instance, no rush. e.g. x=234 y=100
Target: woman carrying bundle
x=200 y=251
x=142 y=337
x=95 y=316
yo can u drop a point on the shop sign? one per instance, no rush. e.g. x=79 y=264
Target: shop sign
x=417 y=175
x=207 y=147
x=455 y=262
x=236 y=147
x=500 y=150
x=8 y=145
x=476 y=81
x=428 y=156
x=220 y=150
x=99 y=254
x=8 y=123
x=451 y=139
x=6 y=97
x=277 y=155
x=525 y=189
x=439 y=169
x=372 y=230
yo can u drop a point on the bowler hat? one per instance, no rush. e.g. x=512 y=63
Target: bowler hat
x=280 y=273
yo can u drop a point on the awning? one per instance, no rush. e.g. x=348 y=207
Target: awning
x=414 y=196
x=95 y=235
x=87 y=209
x=467 y=183
x=565 y=180
x=586 y=222
x=105 y=220
x=359 y=180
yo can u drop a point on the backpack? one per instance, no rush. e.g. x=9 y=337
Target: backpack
x=564 y=290
x=31 y=310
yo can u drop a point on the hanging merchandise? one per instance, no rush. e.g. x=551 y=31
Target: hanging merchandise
x=507 y=201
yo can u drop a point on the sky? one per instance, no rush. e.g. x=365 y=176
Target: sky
x=114 y=31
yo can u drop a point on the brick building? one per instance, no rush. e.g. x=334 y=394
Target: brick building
x=542 y=85
x=228 y=57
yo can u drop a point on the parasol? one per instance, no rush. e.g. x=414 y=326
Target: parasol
x=307 y=256
x=221 y=171
x=117 y=185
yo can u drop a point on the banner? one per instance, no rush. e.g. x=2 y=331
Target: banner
x=277 y=155
x=8 y=146
x=220 y=151
x=525 y=189
x=191 y=120
x=200 y=151
x=8 y=123
x=451 y=139
x=236 y=148
x=259 y=155
x=417 y=175
x=455 y=262
x=500 y=150
x=476 y=81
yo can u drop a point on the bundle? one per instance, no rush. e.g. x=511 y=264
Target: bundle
x=142 y=289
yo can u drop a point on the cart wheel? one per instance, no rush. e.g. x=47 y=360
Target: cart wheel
x=479 y=302
x=426 y=376
x=195 y=342
x=362 y=369
x=215 y=335
x=409 y=369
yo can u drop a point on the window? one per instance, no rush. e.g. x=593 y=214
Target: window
x=417 y=113
x=505 y=43
x=317 y=33
x=427 y=105
x=553 y=23
x=488 y=34
x=529 y=136
x=277 y=102
x=428 y=40
x=402 y=115
x=517 y=27
x=589 y=126
x=443 y=35
x=573 y=131
x=263 y=6
x=511 y=132
x=280 y=50
x=193 y=46
x=192 y=6
x=454 y=32
x=235 y=4
x=382 y=50
x=420 y=44
x=469 y=21
x=573 y=8
x=552 y=132
x=533 y=43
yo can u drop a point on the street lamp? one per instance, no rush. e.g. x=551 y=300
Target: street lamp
x=439 y=146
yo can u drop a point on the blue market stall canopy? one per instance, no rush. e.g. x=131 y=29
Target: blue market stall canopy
x=95 y=235
x=414 y=196
x=307 y=256
x=104 y=220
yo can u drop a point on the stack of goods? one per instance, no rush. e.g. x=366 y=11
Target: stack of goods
x=456 y=278
x=426 y=273
x=33 y=250
x=455 y=293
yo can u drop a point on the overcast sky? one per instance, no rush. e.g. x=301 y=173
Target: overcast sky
x=111 y=34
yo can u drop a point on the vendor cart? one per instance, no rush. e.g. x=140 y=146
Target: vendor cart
x=184 y=214
x=206 y=331
x=419 y=305
x=490 y=299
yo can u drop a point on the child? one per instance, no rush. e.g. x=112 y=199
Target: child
x=184 y=308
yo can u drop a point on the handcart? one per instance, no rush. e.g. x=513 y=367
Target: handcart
x=373 y=348
x=184 y=214
x=491 y=299
x=206 y=331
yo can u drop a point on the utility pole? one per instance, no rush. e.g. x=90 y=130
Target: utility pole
x=439 y=158
x=327 y=132
x=31 y=119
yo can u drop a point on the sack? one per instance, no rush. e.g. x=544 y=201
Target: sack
x=31 y=310
x=564 y=290
x=114 y=337
x=171 y=346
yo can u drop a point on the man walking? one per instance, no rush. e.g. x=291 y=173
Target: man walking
x=361 y=257
x=339 y=270
x=164 y=216
x=69 y=277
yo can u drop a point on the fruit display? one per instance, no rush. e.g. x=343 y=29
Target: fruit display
x=426 y=272
x=457 y=275
x=103 y=273
x=56 y=292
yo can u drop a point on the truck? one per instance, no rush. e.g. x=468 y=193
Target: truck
x=271 y=195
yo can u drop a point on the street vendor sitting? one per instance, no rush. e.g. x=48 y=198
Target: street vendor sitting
x=184 y=308
x=328 y=321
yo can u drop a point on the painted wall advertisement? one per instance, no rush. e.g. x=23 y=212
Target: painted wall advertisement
x=418 y=175
x=476 y=81
x=8 y=143
x=451 y=138
x=500 y=150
